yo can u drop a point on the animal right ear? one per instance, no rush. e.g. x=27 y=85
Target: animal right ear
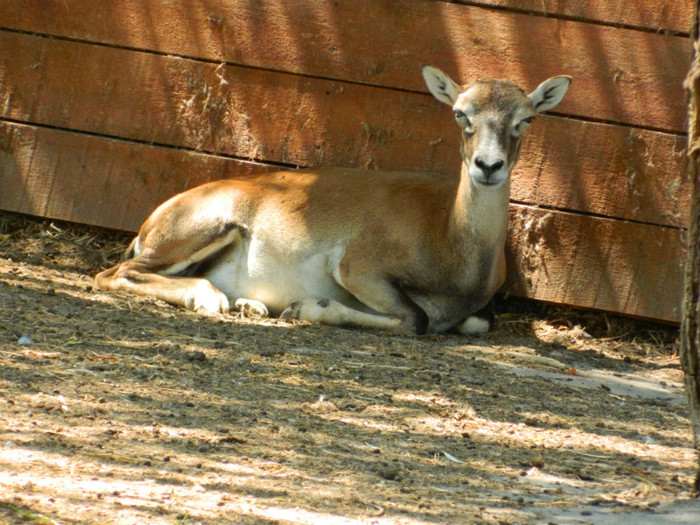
x=441 y=86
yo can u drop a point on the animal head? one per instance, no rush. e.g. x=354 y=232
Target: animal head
x=493 y=115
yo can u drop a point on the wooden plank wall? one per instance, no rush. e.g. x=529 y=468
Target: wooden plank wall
x=107 y=108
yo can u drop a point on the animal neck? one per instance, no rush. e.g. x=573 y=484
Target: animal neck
x=480 y=212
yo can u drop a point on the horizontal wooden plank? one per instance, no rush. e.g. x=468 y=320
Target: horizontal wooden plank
x=607 y=170
x=621 y=75
x=99 y=181
x=553 y=256
x=596 y=263
x=237 y=111
x=655 y=15
x=595 y=168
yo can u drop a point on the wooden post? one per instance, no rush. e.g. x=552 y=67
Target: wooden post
x=690 y=326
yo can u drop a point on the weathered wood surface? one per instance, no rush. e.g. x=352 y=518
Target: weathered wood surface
x=603 y=169
x=106 y=109
x=622 y=75
x=96 y=180
x=655 y=15
x=611 y=265
x=252 y=114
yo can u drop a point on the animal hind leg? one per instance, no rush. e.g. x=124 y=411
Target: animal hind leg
x=193 y=293
x=168 y=247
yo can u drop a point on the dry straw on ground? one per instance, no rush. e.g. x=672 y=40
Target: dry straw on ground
x=118 y=409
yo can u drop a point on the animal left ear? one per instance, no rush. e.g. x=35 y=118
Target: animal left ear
x=549 y=93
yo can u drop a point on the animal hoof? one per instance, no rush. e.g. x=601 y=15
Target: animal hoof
x=251 y=308
x=475 y=324
x=293 y=311
x=205 y=299
x=312 y=310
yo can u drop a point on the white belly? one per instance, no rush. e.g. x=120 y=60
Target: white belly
x=253 y=271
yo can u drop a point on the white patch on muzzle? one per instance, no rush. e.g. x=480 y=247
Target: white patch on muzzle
x=489 y=163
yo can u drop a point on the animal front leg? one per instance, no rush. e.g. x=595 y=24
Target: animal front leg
x=332 y=312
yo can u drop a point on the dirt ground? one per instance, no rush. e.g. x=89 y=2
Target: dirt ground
x=116 y=409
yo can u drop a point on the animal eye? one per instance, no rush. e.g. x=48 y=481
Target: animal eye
x=527 y=121
x=521 y=126
x=462 y=118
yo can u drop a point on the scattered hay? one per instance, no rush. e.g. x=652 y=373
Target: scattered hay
x=123 y=409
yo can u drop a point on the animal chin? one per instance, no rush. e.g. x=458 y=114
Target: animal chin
x=487 y=182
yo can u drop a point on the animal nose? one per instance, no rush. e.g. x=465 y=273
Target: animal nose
x=488 y=169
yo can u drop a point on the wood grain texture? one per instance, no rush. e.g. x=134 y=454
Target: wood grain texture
x=654 y=15
x=95 y=180
x=621 y=75
x=251 y=114
x=553 y=256
x=237 y=111
x=607 y=170
x=596 y=263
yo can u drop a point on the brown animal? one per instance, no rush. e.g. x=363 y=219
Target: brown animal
x=408 y=251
